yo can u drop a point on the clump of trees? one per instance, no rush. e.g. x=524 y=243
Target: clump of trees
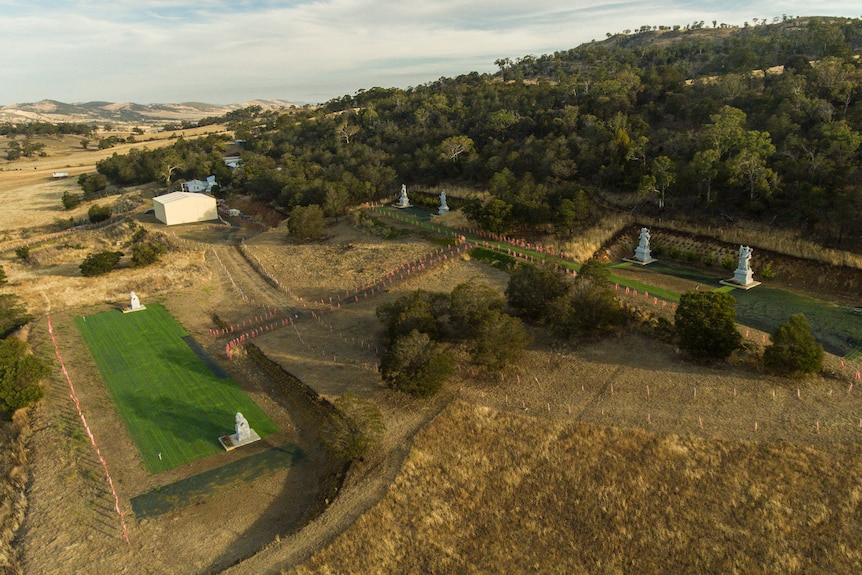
x=585 y=306
x=425 y=330
x=415 y=362
x=794 y=352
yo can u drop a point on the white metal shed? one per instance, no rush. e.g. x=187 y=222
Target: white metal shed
x=184 y=207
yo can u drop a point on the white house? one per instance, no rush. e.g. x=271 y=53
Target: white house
x=184 y=207
x=197 y=186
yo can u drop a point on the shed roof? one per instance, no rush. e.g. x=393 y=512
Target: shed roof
x=175 y=196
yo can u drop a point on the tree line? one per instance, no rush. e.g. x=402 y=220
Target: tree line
x=760 y=122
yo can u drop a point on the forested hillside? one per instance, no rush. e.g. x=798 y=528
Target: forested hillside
x=762 y=122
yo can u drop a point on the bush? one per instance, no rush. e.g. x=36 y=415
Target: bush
x=494 y=258
x=531 y=288
x=420 y=311
x=100 y=263
x=591 y=307
x=593 y=268
x=23 y=252
x=13 y=314
x=306 y=222
x=705 y=325
x=93 y=185
x=499 y=340
x=146 y=253
x=794 y=351
x=471 y=304
x=20 y=374
x=729 y=263
x=416 y=365
x=71 y=200
x=97 y=213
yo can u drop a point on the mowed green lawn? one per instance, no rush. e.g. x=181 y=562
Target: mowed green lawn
x=171 y=402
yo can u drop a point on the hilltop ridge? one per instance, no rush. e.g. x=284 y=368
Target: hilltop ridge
x=124 y=112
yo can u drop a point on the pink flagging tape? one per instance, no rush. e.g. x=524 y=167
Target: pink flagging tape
x=87 y=428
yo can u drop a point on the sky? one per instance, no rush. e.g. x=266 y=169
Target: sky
x=310 y=51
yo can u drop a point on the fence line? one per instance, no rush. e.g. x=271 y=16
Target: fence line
x=74 y=397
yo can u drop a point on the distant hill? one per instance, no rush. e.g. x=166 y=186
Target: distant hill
x=123 y=112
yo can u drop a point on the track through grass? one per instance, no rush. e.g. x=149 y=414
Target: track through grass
x=172 y=404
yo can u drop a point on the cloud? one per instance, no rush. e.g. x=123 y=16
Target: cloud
x=221 y=51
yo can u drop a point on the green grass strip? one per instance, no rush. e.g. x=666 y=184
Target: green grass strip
x=641 y=287
x=174 y=407
x=198 y=487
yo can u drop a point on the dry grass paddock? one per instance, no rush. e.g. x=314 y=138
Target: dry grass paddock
x=517 y=493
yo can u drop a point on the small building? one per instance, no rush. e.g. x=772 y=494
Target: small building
x=184 y=207
x=60 y=175
x=232 y=161
x=199 y=186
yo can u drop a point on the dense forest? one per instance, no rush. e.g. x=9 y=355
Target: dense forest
x=762 y=122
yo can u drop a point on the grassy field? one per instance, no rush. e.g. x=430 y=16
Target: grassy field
x=174 y=406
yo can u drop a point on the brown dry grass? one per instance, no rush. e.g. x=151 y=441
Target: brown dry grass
x=13 y=498
x=517 y=494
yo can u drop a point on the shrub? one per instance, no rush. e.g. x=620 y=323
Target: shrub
x=306 y=222
x=419 y=310
x=705 y=325
x=13 y=314
x=590 y=307
x=471 y=304
x=496 y=259
x=708 y=261
x=729 y=263
x=97 y=213
x=499 y=340
x=146 y=253
x=100 y=263
x=23 y=252
x=93 y=185
x=531 y=288
x=71 y=200
x=594 y=269
x=416 y=365
x=794 y=351
x=767 y=272
x=20 y=374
